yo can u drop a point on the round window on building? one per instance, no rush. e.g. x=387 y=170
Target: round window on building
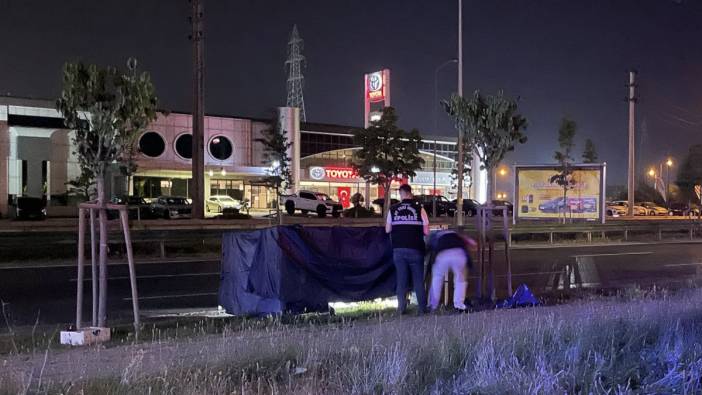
x=151 y=144
x=184 y=146
x=220 y=148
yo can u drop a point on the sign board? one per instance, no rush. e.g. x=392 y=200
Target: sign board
x=537 y=198
x=376 y=94
x=332 y=173
x=427 y=178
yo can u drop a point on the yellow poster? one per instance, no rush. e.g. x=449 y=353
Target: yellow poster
x=538 y=198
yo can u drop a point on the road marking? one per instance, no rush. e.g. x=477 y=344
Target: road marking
x=173 y=296
x=613 y=254
x=684 y=264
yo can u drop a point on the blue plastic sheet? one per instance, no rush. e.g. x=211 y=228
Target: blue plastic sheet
x=296 y=269
x=522 y=297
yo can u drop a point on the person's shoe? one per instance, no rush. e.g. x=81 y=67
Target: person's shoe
x=459 y=310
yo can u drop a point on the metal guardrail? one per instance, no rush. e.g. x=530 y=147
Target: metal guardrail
x=174 y=233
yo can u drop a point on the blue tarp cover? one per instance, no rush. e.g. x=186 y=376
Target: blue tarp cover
x=296 y=269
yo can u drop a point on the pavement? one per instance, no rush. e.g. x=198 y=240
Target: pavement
x=46 y=294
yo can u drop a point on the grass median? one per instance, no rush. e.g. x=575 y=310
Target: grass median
x=603 y=345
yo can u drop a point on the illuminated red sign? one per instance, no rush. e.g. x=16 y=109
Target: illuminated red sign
x=375 y=86
x=340 y=172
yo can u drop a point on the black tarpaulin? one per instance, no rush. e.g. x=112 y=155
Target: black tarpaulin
x=291 y=268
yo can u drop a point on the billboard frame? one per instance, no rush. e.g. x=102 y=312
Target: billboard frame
x=601 y=167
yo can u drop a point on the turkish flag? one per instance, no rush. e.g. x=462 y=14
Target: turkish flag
x=344 y=194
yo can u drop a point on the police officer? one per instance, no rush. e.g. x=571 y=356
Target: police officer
x=407 y=223
x=449 y=251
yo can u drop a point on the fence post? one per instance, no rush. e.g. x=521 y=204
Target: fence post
x=550 y=237
x=626 y=234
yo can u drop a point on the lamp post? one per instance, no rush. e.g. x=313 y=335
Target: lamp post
x=668 y=165
x=436 y=127
x=652 y=174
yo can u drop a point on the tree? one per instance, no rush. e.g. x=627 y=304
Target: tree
x=107 y=109
x=82 y=186
x=467 y=161
x=275 y=155
x=564 y=177
x=386 y=153
x=491 y=126
x=590 y=153
x=690 y=173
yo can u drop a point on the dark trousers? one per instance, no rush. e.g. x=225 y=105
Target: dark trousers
x=409 y=262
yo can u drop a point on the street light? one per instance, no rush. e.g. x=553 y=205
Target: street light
x=436 y=125
x=652 y=174
x=669 y=164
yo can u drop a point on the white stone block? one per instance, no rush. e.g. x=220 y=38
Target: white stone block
x=85 y=336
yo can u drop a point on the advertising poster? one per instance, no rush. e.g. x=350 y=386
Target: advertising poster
x=538 y=198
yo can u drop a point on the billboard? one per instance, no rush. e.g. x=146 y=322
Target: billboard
x=537 y=198
x=376 y=94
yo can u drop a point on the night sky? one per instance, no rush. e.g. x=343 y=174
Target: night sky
x=560 y=57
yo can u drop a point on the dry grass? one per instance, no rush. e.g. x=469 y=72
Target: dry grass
x=613 y=345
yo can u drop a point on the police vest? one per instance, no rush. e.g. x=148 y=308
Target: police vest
x=407 y=225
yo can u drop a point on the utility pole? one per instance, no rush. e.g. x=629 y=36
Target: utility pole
x=433 y=193
x=198 y=160
x=459 y=198
x=632 y=140
x=296 y=80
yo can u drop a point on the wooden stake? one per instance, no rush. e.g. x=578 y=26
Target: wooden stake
x=124 y=216
x=81 y=257
x=93 y=265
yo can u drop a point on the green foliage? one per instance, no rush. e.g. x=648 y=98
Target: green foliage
x=566 y=134
x=491 y=127
x=82 y=185
x=107 y=110
x=690 y=173
x=590 y=153
x=275 y=152
x=386 y=151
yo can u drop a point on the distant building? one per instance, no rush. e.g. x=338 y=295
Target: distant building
x=37 y=159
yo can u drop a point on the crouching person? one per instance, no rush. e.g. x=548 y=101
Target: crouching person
x=407 y=223
x=449 y=251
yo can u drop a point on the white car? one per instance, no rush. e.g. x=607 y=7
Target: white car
x=308 y=201
x=217 y=203
x=615 y=210
x=638 y=210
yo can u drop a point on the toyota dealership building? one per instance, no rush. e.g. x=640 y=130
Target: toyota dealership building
x=37 y=158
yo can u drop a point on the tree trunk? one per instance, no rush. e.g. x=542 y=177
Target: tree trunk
x=490 y=187
x=277 y=205
x=565 y=204
x=102 y=220
x=386 y=198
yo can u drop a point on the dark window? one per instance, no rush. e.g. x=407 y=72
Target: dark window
x=184 y=146
x=305 y=195
x=220 y=148
x=151 y=144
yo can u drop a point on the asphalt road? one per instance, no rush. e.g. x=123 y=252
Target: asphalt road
x=47 y=294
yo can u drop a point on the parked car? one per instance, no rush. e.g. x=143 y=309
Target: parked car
x=217 y=203
x=615 y=210
x=654 y=209
x=638 y=210
x=138 y=207
x=379 y=202
x=684 y=209
x=317 y=202
x=30 y=208
x=510 y=207
x=470 y=206
x=443 y=205
x=171 y=207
